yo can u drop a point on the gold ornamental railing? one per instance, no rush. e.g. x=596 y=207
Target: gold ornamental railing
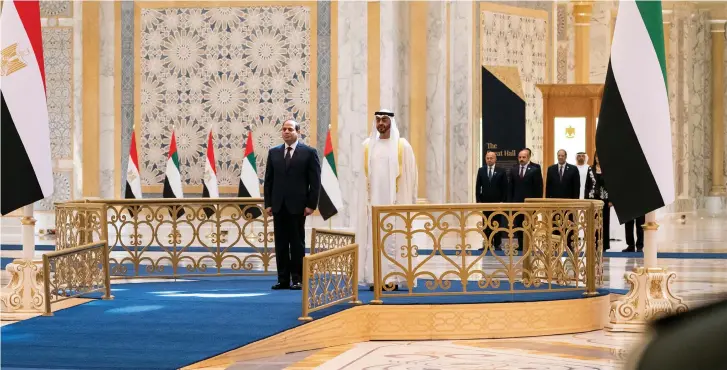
x=329 y=277
x=323 y=240
x=75 y=271
x=173 y=237
x=450 y=249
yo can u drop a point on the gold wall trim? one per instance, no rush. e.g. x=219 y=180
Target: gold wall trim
x=117 y=99
x=418 y=89
x=91 y=114
x=334 y=78
x=427 y=322
x=139 y=5
x=373 y=45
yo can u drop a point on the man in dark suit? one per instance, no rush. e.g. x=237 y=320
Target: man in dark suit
x=638 y=246
x=526 y=181
x=491 y=187
x=530 y=155
x=292 y=185
x=563 y=181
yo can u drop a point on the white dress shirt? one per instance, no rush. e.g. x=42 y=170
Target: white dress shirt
x=292 y=151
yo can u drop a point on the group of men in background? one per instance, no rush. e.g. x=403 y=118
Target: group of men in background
x=525 y=180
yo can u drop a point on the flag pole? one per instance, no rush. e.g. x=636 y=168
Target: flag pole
x=28 y=232
x=650 y=249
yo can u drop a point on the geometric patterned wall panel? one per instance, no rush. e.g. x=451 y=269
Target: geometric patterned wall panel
x=61 y=191
x=519 y=41
x=56 y=8
x=58 y=57
x=232 y=69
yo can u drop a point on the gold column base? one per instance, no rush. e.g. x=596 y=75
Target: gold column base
x=649 y=298
x=24 y=296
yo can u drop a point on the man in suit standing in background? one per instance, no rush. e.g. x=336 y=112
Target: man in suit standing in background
x=292 y=185
x=526 y=181
x=563 y=181
x=491 y=187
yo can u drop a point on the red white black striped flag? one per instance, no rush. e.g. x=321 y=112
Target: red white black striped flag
x=27 y=174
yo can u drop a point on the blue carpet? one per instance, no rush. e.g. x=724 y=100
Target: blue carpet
x=170 y=325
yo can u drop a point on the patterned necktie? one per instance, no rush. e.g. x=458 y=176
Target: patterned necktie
x=489 y=176
x=522 y=171
x=561 y=173
x=287 y=157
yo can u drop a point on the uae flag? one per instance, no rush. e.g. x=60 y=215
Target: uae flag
x=330 y=201
x=209 y=183
x=633 y=138
x=249 y=181
x=26 y=173
x=173 y=177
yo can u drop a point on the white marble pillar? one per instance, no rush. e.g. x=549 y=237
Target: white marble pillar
x=353 y=111
x=436 y=134
x=107 y=165
x=394 y=62
x=600 y=32
x=460 y=100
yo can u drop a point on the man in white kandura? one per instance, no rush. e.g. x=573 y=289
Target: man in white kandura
x=582 y=165
x=390 y=178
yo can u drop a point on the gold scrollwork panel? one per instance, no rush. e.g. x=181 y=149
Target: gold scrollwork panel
x=76 y=271
x=190 y=237
x=329 y=277
x=323 y=240
x=453 y=249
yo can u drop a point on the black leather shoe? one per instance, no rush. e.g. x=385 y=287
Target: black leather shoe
x=629 y=249
x=280 y=286
x=296 y=286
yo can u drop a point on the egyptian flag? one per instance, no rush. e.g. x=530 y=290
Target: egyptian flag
x=133 y=180
x=633 y=138
x=330 y=201
x=209 y=183
x=173 y=177
x=249 y=181
x=26 y=171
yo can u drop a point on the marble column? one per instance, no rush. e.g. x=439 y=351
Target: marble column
x=600 y=41
x=417 y=12
x=107 y=155
x=394 y=62
x=436 y=109
x=353 y=110
x=718 y=36
x=582 y=11
x=461 y=101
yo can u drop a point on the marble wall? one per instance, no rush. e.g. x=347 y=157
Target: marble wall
x=600 y=38
x=514 y=40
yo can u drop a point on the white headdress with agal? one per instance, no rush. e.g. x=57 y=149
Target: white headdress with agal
x=392 y=143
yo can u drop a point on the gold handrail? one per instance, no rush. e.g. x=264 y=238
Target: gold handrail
x=168 y=238
x=329 y=277
x=323 y=240
x=553 y=257
x=76 y=271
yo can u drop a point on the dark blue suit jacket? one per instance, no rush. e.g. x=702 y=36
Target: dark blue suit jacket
x=298 y=186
